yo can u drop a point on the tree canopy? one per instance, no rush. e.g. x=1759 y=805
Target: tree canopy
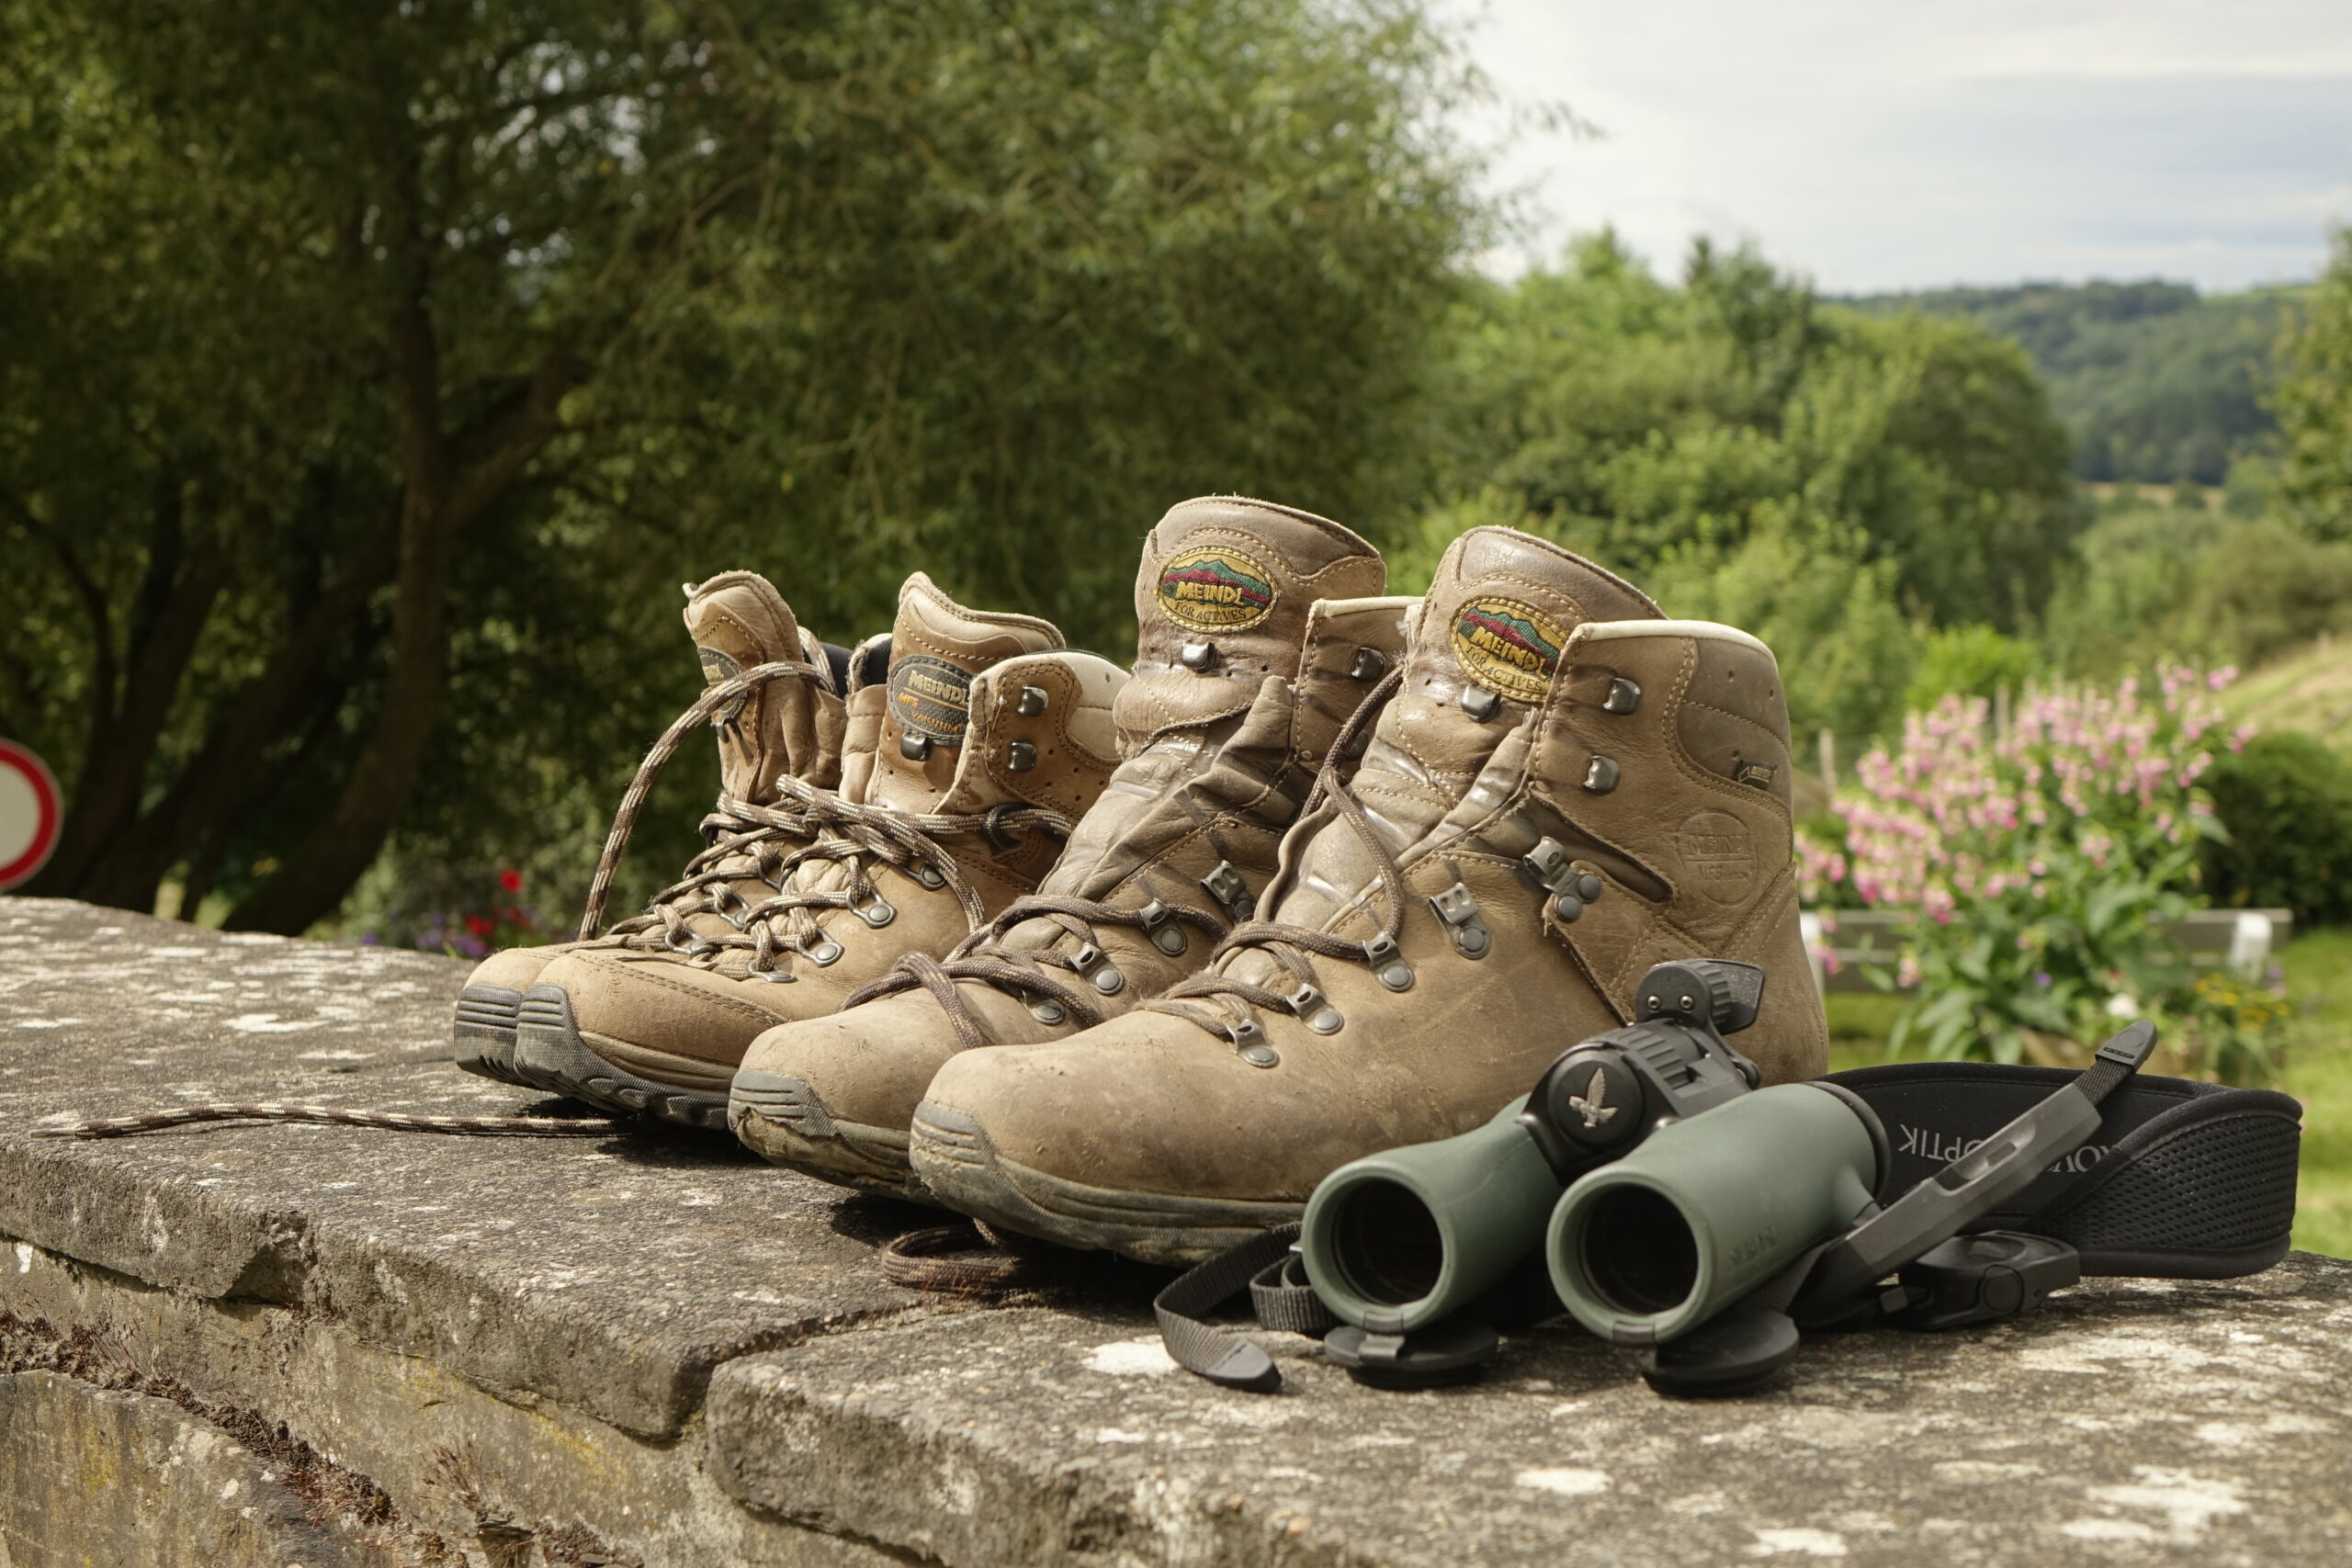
x=2154 y=381
x=377 y=371
x=1824 y=479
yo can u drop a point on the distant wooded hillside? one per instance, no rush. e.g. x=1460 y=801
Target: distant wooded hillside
x=2154 y=381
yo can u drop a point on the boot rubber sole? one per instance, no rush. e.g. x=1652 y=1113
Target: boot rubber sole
x=550 y=1054
x=783 y=1120
x=953 y=1160
x=483 y=1032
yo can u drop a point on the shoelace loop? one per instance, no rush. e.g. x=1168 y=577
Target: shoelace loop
x=1023 y=972
x=825 y=827
x=1288 y=946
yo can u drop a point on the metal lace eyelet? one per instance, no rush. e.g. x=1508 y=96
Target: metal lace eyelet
x=1032 y=701
x=1480 y=704
x=1049 y=1011
x=1601 y=776
x=1162 y=928
x=1249 y=1041
x=1388 y=966
x=1315 y=1011
x=1096 y=967
x=877 y=912
x=1232 y=893
x=1459 y=909
x=1369 y=664
x=929 y=876
x=915 y=748
x=824 y=951
x=1623 y=696
x=1198 y=657
x=1020 y=757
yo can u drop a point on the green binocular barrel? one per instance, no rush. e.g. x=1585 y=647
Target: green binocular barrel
x=1395 y=1241
x=1709 y=1208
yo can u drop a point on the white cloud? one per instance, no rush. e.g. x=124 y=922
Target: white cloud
x=1881 y=146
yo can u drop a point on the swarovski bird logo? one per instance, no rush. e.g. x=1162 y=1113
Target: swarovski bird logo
x=1592 y=1104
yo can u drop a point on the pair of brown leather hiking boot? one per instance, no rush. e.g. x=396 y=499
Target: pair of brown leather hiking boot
x=1342 y=872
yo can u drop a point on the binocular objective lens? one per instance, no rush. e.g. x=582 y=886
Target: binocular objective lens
x=1638 y=1253
x=1387 y=1243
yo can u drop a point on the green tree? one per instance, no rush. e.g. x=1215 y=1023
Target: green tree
x=377 y=371
x=2313 y=403
x=2153 y=382
x=1748 y=453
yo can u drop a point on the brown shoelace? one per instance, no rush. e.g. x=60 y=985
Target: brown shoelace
x=1023 y=972
x=335 y=1115
x=808 y=826
x=1201 y=1000
x=1036 y=974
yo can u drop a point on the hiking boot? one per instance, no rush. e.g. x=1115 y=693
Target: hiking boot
x=1253 y=649
x=974 y=740
x=1563 y=791
x=788 y=721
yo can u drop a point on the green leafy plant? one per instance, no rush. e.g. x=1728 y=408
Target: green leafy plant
x=2286 y=802
x=2042 y=863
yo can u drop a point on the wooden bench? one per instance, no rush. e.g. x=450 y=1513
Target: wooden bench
x=2240 y=939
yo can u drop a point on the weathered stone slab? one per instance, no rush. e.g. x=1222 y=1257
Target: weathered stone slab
x=2130 y=1422
x=646 y=1348
x=609 y=1273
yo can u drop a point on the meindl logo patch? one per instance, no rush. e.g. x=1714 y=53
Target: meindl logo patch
x=1507 y=647
x=716 y=669
x=930 y=698
x=1718 y=854
x=1215 y=587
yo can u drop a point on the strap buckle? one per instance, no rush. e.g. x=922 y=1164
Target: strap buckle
x=1982 y=1278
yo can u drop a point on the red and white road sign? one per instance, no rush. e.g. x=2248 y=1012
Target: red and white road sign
x=29 y=814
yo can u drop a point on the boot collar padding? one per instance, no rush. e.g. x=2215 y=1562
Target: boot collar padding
x=1706 y=631
x=1064 y=752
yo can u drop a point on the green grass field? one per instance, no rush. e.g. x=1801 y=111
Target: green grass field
x=2318 y=1072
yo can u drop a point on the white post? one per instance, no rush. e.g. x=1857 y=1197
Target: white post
x=2249 y=946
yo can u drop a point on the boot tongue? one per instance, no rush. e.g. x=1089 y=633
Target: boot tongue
x=1221 y=603
x=739 y=621
x=1233 y=579
x=936 y=647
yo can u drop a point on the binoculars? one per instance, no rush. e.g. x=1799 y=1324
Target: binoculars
x=1649 y=1223
x=1649 y=1185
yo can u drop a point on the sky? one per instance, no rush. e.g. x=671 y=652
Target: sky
x=1914 y=143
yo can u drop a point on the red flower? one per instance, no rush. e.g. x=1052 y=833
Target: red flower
x=511 y=880
x=480 y=925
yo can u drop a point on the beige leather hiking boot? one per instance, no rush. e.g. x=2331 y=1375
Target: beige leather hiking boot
x=1254 y=647
x=1562 y=792
x=973 y=741
x=788 y=720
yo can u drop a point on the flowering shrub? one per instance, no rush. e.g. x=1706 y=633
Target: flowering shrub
x=2042 y=863
x=2235 y=1027
x=505 y=923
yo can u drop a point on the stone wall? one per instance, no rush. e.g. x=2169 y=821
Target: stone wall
x=276 y=1344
